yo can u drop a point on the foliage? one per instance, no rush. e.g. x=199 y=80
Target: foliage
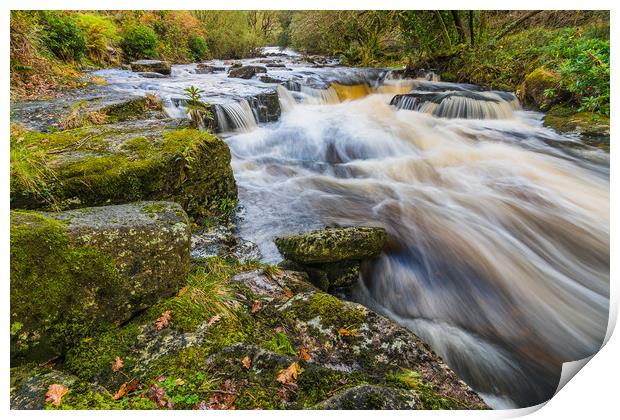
x=101 y=37
x=139 y=41
x=196 y=108
x=198 y=47
x=63 y=36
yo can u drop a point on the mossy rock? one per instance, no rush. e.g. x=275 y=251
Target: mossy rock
x=154 y=66
x=541 y=89
x=371 y=397
x=77 y=272
x=332 y=245
x=131 y=161
x=594 y=128
x=268 y=317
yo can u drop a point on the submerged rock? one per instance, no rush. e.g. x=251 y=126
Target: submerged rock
x=246 y=72
x=84 y=270
x=154 y=66
x=267 y=106
x=203 y=68
x=332 y=245
x=125 y=162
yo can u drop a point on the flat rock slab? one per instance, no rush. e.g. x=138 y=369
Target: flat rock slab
x=332 y=245
x=132 y=161
x=77 y=271
x=246 y=72
x=154 y=66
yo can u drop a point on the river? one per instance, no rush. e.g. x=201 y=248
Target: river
x=498 y=227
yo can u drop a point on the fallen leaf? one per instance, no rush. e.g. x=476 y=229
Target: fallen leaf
x=285 y=390
x=54 y=394
x=157 y=394
x=343 y=332
x=163 y=320
x=257 y=306
x=214 y=319
x=202 y=405
x=179 y=382
x=246 y=362
x=289 y=374
x=304 y=354
x=117 y=365
x=225 y=398
x=161 y=378
x=288 y=293
x=125 y=389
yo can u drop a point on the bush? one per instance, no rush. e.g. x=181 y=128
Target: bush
x=197 y=47
x=139 y=41
x=63 y=36
x=101 y=34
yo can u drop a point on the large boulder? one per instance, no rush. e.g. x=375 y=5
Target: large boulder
x=257 y=325
x=246 y=72
x=332 y=257
x=332 y=245
x=131 y=161
x=154 y=66
x=541 y=89
x=83 y=270
x=267 y=106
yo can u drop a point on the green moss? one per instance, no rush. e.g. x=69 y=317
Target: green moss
x=83 y=396
x=155 y=208
x=111 y=165
x=280 y=343
x=428 y=396
x=540 y=88
x=332 y=311
x=594 y=127
x=59 y=299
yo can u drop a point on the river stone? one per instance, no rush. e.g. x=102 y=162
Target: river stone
x=30 y=395
x=266 y=106
x=154 y=66
x=82 y=270
x=133 y=161
x=203 y=68
x=332 y=245
x=246 y=72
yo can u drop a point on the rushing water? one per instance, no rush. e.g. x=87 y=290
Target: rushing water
x=498 y=249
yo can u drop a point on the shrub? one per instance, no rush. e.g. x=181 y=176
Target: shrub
x=101 y=34
x=63 y=36
x=139 y=41
x=197 y=47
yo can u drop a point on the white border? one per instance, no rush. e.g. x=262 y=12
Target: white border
x=591 y=395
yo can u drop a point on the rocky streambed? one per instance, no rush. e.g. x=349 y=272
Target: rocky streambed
x=130 y=288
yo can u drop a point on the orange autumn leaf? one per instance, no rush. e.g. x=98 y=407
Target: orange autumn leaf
x=125 y=389
x=163 y=320
x=246 y=362
x=183 y=291
x=257 y=306
x=289 y=374
x=117 y=365
x=343 y=332
x=214 y=319
x=288 y=293
x=54 y=394
x=304 y=354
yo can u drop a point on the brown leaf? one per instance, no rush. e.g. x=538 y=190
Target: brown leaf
x=117 y=365
x=183 y=291
x=54 y=394
x=125 y=389
x=304 y=354
x=288 y=293
x=157 y=394
x=246 y=362
x=179 y=382
x=214 y=319
x=257 y=306
x=225 y=398
x=163 y=320
x=289 y=374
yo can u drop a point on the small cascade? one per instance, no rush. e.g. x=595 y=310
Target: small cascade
x=287 y=102
x=314 y=96
x=460 y=104
x=235 y=116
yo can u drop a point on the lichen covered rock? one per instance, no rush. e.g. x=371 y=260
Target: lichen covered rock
x=81 y=271
x=541 y=89
x=132 y=161
x=594 y=128
x=237 y=330
x=332 y=245
x=154 y=66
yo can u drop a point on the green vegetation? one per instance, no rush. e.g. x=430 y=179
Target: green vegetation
x=139 y=41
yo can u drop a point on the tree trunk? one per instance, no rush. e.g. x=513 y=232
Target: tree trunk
x=472 y=34
x=459 y=25
x=446 y=35
x=515 y=24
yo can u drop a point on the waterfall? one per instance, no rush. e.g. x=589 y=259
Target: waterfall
x=460 y=104
x=287 y=102
x=314 y=96
x=235 y=116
